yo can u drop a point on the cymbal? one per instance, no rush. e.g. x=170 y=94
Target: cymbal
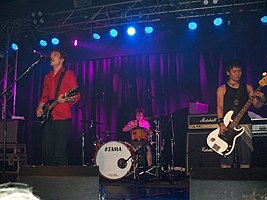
x=151 y=117
x=91 y=121
x=107 y=132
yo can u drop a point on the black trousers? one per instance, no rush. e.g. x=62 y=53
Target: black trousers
x=54 y=143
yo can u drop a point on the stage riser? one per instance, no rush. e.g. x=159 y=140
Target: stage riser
x=66 y=183
x=221 y=184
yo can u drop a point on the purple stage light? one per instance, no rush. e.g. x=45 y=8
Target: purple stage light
x=75 y=43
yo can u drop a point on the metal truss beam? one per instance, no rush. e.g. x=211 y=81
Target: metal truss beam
x=126 y=12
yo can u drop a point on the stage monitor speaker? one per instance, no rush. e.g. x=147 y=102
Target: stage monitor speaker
x=198 y=154
x=62 y=182
x=12 y=131
x=221 y=184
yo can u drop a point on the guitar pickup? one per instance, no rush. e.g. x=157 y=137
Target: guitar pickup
x=216 y=147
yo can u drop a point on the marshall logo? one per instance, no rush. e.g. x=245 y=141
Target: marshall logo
x=206 y=149
x=206 y=119
x=111 y=149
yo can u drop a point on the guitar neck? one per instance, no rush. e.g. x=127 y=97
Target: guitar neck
x=243 y=110
x=52 y=105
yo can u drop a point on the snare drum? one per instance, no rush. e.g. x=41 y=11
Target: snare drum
x=115 y=159
x=139 y=134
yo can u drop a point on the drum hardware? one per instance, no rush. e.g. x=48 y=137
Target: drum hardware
x=157 y=166
x=173 y=145
x=84 y=131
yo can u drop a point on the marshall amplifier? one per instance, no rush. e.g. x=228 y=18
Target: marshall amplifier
x=203 y=121
x=198 y=154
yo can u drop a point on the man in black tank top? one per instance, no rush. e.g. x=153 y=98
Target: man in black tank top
x=233 y=95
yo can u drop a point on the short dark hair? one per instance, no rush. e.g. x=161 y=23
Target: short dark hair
x=62 y=54
x=232 y=64
x=140 y=110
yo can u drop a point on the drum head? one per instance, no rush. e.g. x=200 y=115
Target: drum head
x=111 y=159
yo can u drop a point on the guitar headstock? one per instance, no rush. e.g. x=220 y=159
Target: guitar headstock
x=263 y=81
x=72 y=92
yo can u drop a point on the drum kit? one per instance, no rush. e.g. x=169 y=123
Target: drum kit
x=119 y=159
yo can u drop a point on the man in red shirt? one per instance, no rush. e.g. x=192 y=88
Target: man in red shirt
x=58 y=127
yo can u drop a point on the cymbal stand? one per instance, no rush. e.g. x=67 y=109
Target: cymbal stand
x=173 y=145
x=158 y=153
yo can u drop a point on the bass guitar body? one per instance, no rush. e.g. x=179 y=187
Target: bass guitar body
x=224 y=144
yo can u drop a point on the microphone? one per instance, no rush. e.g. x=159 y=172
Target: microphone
x=122 y=163
x=91 y=124
x=148 y=93
x=42 y=55
x=170 y=118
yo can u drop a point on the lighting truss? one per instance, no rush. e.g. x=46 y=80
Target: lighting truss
x=126 y=12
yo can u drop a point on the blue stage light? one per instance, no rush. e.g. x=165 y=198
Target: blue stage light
x=96 y=36
x=55 y=41
x=113 y=32
x=131 y=31
x=264 y=19
x=14 y=47
x=43 y=43
x=218 y=21
x=149 y=29
x=192 y=25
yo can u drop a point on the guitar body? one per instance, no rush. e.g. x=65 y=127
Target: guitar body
x=224 y=144
x=46 y=112
x=50 y=104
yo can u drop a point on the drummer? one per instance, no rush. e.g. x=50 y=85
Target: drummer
x=140 y=134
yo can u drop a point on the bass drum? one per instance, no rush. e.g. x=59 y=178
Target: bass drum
x=115 y=159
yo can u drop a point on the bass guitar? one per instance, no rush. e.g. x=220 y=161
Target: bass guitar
x=50 y=104
x=224 y=144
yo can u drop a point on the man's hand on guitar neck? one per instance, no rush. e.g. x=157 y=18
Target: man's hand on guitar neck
x=63 y=99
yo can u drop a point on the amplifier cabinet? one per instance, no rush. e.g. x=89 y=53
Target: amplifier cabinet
x=198 y=154
x=259 y=155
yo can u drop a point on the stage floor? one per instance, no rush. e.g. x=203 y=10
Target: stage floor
x=169 y=187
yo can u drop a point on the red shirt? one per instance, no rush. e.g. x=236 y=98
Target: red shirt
x=61 y=111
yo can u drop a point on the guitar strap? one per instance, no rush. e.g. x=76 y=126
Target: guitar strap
x=58 y=84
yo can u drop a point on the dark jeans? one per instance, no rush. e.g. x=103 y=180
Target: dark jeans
x=55 y=139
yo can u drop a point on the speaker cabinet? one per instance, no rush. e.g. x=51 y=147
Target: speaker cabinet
x=259 y=155
x=64 y=182
x=198 y=154
x=12 y=131
x=221 y=184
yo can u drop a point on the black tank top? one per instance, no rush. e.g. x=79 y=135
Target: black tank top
x=229 y=98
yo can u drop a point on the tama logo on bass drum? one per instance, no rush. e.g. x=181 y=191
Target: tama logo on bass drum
x=112 y=149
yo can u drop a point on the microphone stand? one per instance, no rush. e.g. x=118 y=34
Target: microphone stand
x=173 y=145
x=4 y=95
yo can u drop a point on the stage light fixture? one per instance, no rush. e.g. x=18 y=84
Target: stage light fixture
x=215 y=1
x=264 y=19
x=14 y=47
x=131 y=31
x=75 y=43
x=218 y=21
x=43 y=43
x=205 y=2
x=55 y=41
x=113 y=32
x=96 y=36
x=37 y=17
x=149 y=29
x=192 y=25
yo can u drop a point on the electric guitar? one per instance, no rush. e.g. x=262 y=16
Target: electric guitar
x=50 y=104
x=224 y=144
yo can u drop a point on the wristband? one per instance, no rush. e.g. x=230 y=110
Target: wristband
x=219 y=120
